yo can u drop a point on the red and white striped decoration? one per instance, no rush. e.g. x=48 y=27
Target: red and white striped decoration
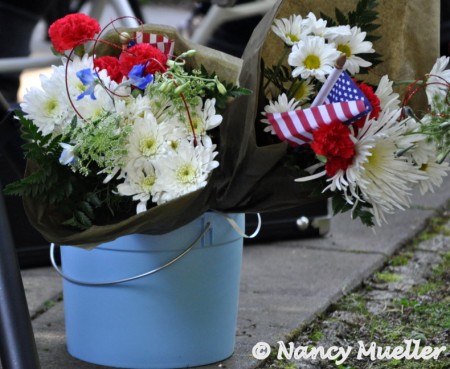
x=163 y=43
x=296 y=126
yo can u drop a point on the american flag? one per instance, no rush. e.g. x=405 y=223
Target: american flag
x=345 y=102
x=163 y=43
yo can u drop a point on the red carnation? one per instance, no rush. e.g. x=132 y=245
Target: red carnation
x=374 y=101
x=72 y=30
x=333 y=141
x=111 y=64
x=153 y=59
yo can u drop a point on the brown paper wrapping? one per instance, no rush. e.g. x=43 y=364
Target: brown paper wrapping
x=409 y=31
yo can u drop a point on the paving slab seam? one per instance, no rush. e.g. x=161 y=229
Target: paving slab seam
x=47 y=305
x=349 y=251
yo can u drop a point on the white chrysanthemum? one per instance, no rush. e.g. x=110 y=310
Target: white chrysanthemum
x=377 y=175
x=279 y=106
x=435 y=173
x=312 y=57
x=131 y=108
x=147 y=140
x=291 y=29
x=386 y=94
x=185 y=171
x=76 y=87
x=414 y=145
x=76 y=63
x=204 y=117
x=353 y=45
x=90 y=109
x=318 y=27
x=175 y=137
x=139 y=182
x=438 y=81
x=47 y=106
x=162 y=107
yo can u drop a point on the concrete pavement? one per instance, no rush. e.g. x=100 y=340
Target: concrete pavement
x=284 y=284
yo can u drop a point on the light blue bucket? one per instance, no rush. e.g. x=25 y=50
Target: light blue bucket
x=181 y=316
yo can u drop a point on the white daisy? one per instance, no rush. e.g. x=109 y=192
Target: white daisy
x=352 y=45
x=386 y=94
x=312 y=57
x=377 y=175
x=438 y=81
x=304 y=90
x=291 y=29
x=185 y=171
x=279 y=106
x=318 y=27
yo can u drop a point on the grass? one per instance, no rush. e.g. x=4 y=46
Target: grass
x=419 y=313
x=386 y=277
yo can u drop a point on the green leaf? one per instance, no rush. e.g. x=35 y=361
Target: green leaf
x=87 y=209
x=82 y=219
x=93 y=199
x=339 y=205
x=340 y=17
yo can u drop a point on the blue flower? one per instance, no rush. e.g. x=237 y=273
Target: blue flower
x=136 y=78
x=88 y=79
x=67 y=155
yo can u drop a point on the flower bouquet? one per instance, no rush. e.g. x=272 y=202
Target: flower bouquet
x=128 y=127
x=358 y=142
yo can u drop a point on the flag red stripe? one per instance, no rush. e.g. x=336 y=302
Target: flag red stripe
x=297 y=126
x=346 y=110
x=295 y=130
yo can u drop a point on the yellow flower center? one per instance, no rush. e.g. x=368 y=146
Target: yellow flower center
x=292 y=37
x=81 y=87
x=380 y=152
x=186 y=174
x=312 y=62
x=148 y=146
x=148 y=183
x=173 y=144
x=197 y=123
x=372 y=160
x=424 y=167
x=345 y=48
x=51 y=105
x=302 y=92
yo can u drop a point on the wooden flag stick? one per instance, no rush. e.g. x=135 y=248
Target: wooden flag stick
x=330 y=81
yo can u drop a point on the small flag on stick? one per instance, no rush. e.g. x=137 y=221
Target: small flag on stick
x=163 y=43
x=339 y=99
x=296 y=126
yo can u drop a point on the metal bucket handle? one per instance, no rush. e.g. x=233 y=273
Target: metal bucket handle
x=153 y=271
